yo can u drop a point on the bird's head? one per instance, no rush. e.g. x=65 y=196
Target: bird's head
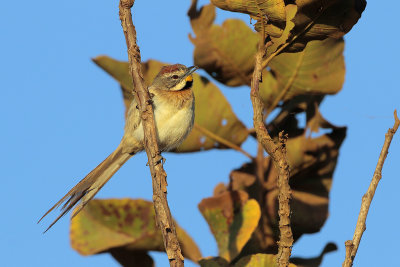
x=174 y=77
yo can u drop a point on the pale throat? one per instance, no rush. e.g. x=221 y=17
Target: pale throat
x=179 y=86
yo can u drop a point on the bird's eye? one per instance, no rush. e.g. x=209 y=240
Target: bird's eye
x=175 y=77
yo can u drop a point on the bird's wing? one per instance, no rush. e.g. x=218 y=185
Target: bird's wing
x=133 y=134
x=133 y=119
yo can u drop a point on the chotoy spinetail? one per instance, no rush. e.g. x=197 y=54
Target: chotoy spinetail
x=173 y=105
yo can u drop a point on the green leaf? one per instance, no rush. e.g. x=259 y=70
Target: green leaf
x=121 y=226
x=259 y=260
x=226 y=52
x=318 y=70
x=232 y=218
x=212 y=111
x=274 y=10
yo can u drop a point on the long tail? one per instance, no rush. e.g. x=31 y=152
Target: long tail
x=88 y=187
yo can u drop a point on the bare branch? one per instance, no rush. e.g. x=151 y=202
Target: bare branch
x=142 y=96
x=352 y=245
x=278 y=156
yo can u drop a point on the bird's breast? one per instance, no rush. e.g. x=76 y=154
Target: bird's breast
x=174 y=118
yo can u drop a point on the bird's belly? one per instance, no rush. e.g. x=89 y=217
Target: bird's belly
x=173 y=127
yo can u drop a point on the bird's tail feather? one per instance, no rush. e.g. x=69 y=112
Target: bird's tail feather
x=88 y=187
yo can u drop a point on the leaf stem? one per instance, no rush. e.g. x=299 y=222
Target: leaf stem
x=222 y=140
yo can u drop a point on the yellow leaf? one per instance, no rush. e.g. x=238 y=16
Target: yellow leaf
x=232 y=219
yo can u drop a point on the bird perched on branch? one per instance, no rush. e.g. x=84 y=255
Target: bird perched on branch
x=173 y=106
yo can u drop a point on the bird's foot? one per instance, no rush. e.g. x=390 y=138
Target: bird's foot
x=158 y=161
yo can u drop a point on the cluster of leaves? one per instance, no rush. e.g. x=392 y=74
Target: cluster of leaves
x=307 y=64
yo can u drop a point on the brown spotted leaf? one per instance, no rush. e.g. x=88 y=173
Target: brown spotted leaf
x=226 y=52
x=329 y=18
x=120 y=226
x=212 y=111
x=273 y=10
x=318 y=70
x=308 y=20
x=232 y=218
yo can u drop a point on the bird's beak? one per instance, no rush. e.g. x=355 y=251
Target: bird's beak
x=189 y=77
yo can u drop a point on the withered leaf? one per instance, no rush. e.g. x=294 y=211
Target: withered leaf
x=232 y=218
x=286 y=35
x=329 y=18
x=309 y=20
x=213 y=262
x=226 y=52
x=121 y=226
x=273 y=11
x=212 y=111
x=317 y=70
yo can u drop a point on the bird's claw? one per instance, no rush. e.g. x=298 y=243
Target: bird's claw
x=160 y=160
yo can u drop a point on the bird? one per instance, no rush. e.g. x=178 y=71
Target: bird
x=173 y=104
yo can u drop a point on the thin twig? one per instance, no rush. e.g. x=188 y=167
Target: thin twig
x=278 y=156
x=222 y=140
x=352 y=245
x=142 y=96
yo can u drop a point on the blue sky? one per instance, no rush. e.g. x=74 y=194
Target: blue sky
x=61 y=115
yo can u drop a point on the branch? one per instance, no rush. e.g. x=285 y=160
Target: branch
x=281 y=48
x=222 y=140
x=142 y=96
x=278 y=156
x=352 y=245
